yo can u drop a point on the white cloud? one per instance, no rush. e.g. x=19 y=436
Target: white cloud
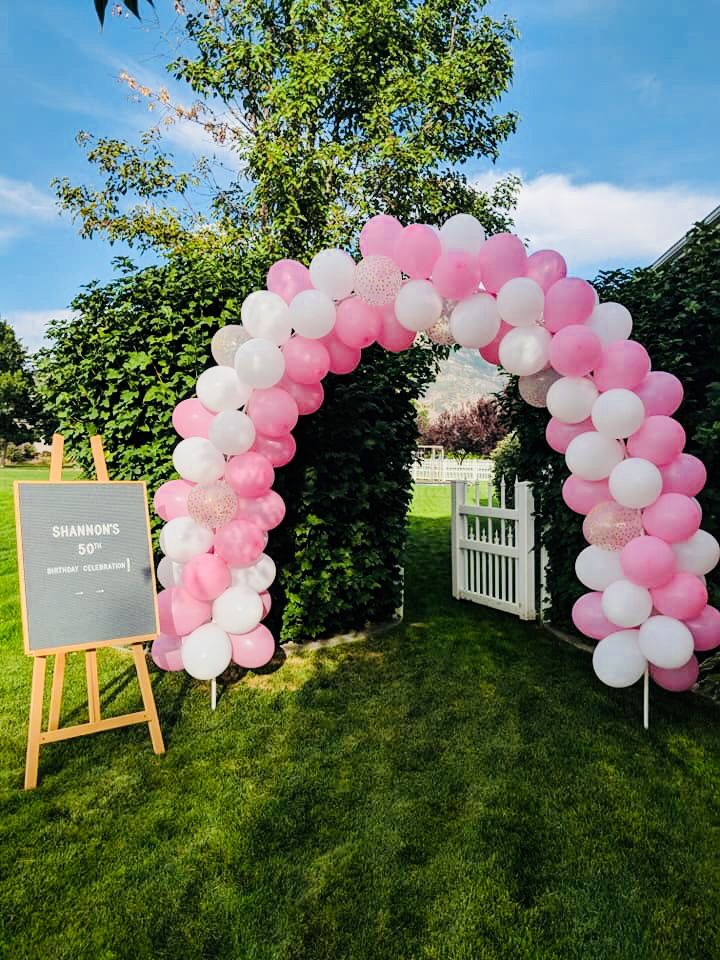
x=602 y=225
x=20 y=200
x=30 y=325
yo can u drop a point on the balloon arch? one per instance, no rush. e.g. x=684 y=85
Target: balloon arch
x=610 y=416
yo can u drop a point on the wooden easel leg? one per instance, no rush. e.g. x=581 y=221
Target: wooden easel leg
x=32 y=757
x=56 y=691
x=148 y=698
x=93 y=687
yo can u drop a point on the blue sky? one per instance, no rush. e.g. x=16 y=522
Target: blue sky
x=618 y=144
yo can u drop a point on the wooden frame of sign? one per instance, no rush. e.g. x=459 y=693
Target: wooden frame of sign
x=36 y=736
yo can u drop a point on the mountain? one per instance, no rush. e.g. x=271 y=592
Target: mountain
x=463 y=377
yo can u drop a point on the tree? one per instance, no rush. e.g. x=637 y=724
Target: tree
x=18 y=399
x=475 y=428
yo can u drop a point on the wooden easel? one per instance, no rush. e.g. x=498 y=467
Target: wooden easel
x=36 y=736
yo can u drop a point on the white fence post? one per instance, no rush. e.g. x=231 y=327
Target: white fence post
x=525 y=543
x=544 y=591
x=457 y=499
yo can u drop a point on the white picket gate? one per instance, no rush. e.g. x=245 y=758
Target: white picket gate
x=493 y=560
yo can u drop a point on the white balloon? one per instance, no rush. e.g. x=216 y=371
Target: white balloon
x=418 y=305
x=597 y=568
x=525 y=350
x=666 y=642
x=635 y=483
x=231 y=431
x=570 y=399
x=206 y=652
x=182 y=538
x=225 y=342
x=618 y=413
x=237 y=610
x=260 y=363
x=592 y=456
x=258 y=577
x=197 y=460
x=475 y=321
x=520 y=302
x=462 y=232
x=219 y=389
x=699 y=555
x=312 y=313
x=169 y=572
x=626 y=604
x=333 y=272
x=618 y=660
x=266 y=315
x=610 y=322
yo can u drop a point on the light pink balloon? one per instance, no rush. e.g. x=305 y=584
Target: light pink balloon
x=170 y=499
x=212 y=504
x=648 y=561
x=679 y=679
x=205 y=577
x=661 y=393
x=278 y=450
x=546 y=267
x=254 y=649
x=684 y=596
x=501 y=258
x=559 y=435
x=684 y=474
x=575 y=350
x=456 y=275
x=660 y=439
x=393 y=336
x=165 y=652
x=379 y=236
x=673 y=517
x=705 y=628
x=288 y=278
x=622 y=364
x=491 y=351
x=588 y=617
x=181 y=613
x=357 y=324
x=568 y=302
x=191 y=419
x=308 y=396
x=250 y=474
x=610 y=526
x=582 y=495
x=267 y=512
x=273 y=411
x=416 y=250
x=306 y=361
x=343 y=359
x=266 y=602
x=239 y=542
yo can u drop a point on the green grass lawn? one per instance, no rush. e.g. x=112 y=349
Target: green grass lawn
x=461 y=787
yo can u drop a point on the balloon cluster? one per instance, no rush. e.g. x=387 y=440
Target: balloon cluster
x=611 y=418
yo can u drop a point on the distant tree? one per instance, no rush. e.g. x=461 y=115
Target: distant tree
x=19 y=412
x=475 y=428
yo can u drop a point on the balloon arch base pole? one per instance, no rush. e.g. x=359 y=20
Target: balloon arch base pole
x=213 y=694
x=646 y=698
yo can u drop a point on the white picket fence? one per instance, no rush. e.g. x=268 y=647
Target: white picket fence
x=443 y=470
x=493 y=559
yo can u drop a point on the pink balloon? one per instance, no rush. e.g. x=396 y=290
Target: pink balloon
x=266 y=602
x=456 y=275
x=254 y=649
x=170 y=499
x=273 y=411
x=288 y=278
x=679 y=679
x=546 y=267
x=661 y=393
x=659 y=440
x=673 y=517
x=588 y=617
x=415 y=250
x=306 y=361
x=278 y=450
x=568 y=302
x=250 y=474
x=624 y=363
x=308 y=396
x=166 y=654
x=648 y=561
x=491 y=352
x=705 y=628
x=379 y=236
x=343 y=359
x=574 y=351
x=191 y=419
x=266 y=512
x=393 y=336
x=357 y=324
x=559 y=435
x=683 y=597
x=611 y=526
x=684 y=474
x=582 y=495
x=205 y=577
x=180 y=612
x=501 y=258
x=239 y=542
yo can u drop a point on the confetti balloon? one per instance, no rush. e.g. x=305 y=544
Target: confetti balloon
x=440 y=332
x=610 y=526
x=377 y=280
x=533 y=389
x=225 y=343
x=212 y=504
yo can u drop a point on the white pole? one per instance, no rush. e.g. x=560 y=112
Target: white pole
x=213 y=693
x=646 y=698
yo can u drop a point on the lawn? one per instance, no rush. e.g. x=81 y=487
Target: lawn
x=461 y=787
